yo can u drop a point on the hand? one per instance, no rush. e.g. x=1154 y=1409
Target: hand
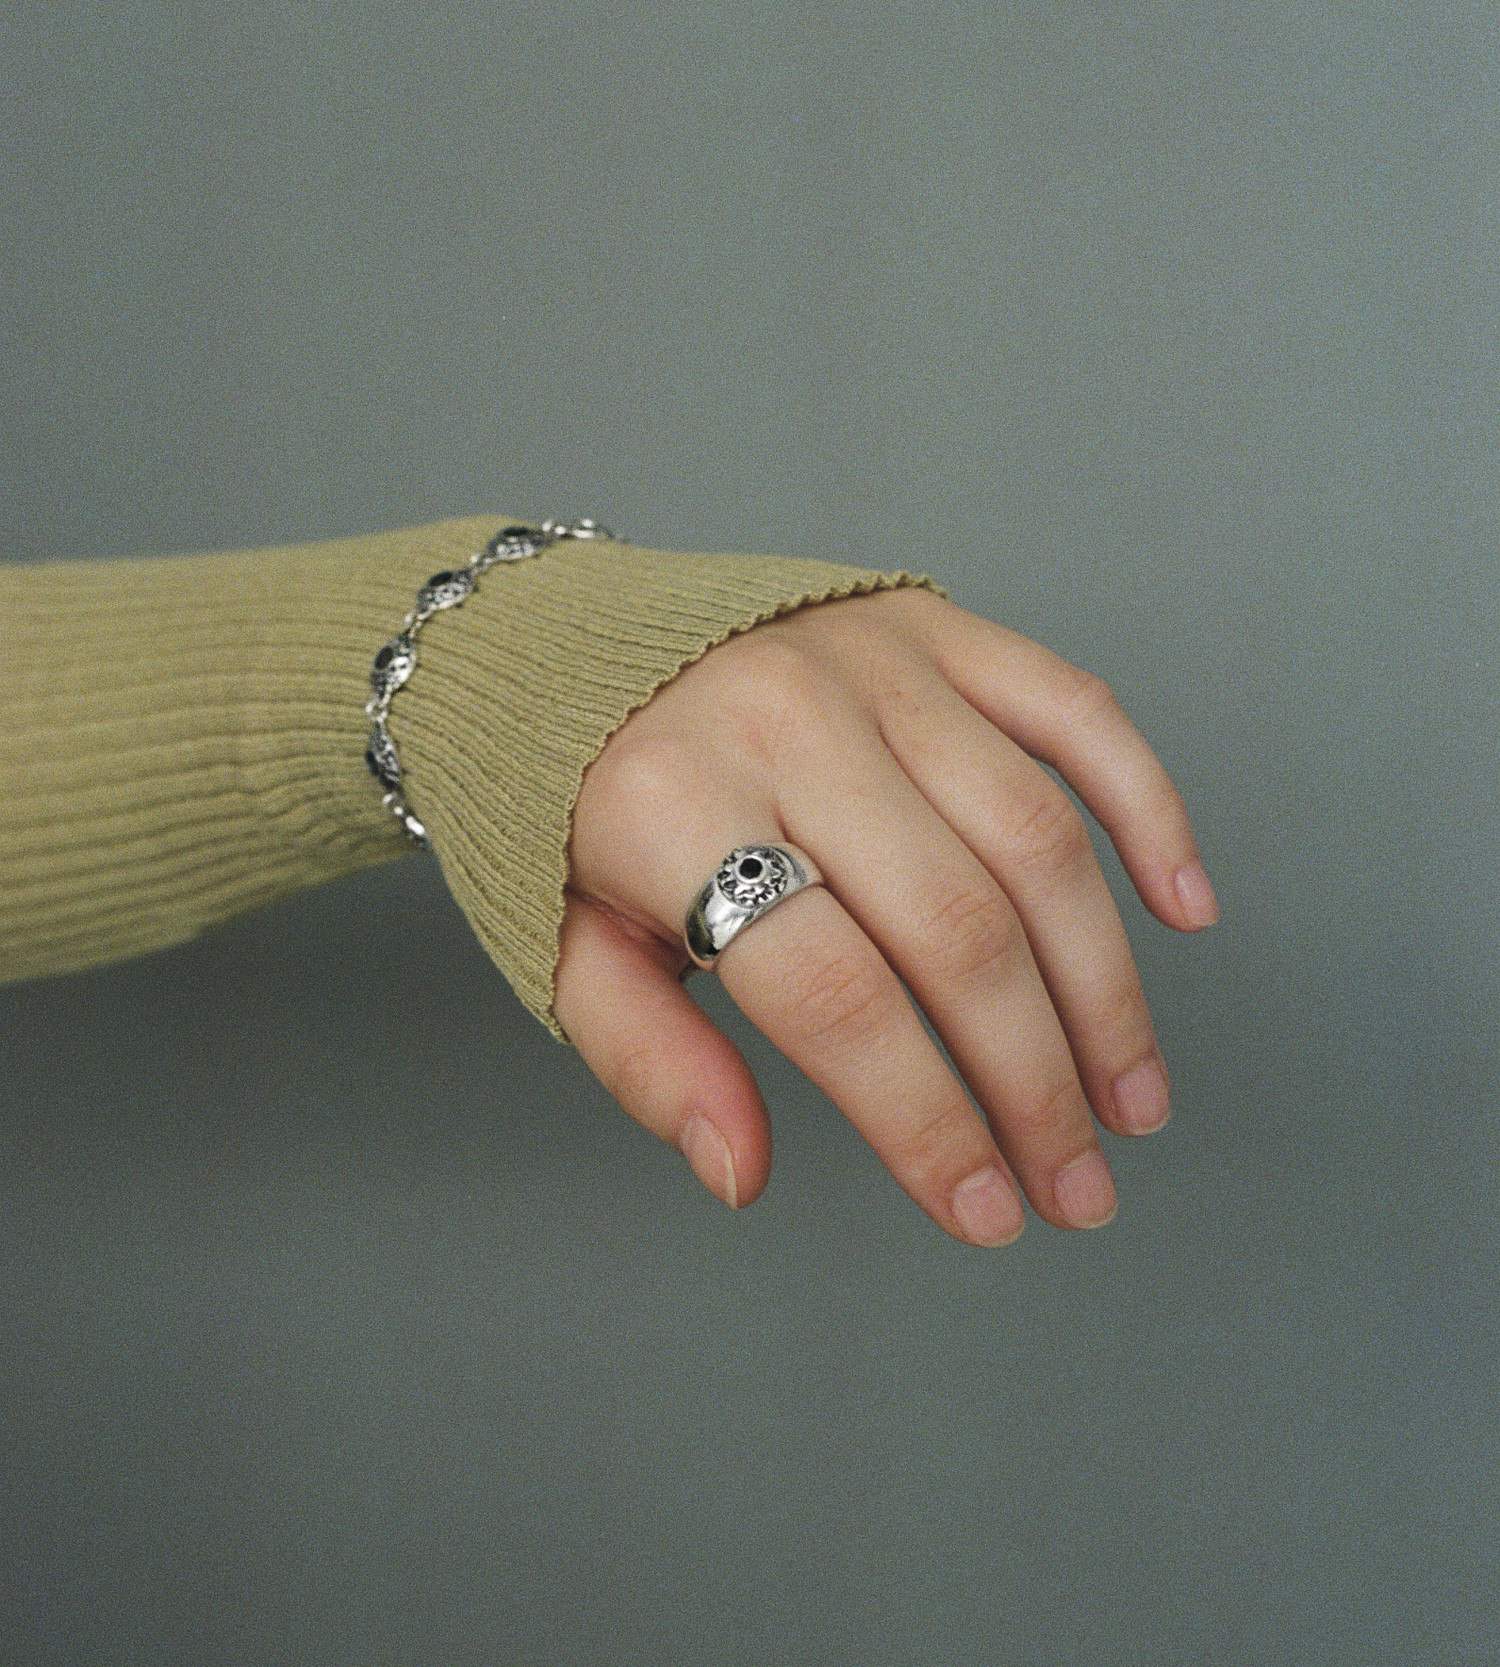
x=894 y=738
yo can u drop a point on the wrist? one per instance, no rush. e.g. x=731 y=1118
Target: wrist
x=321 y=613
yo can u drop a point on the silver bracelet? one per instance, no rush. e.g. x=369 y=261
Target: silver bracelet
x=395 y=662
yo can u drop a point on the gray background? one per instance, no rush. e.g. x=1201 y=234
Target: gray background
x=345 y=1317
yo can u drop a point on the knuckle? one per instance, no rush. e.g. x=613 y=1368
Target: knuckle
x=1123 y=1022
x=771 y=688
x=628 y=791
x=843 y=998
x=1060 y=1109
x=1084 y=697
x=769 y=670
x=1050 y=838
x=634 y=1076
x=1170 y=809
x=974 y=932
x=639 y=769
x=941 y=1144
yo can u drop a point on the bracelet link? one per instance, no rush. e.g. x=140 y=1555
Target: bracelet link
x=397 y=660
x=393 y=665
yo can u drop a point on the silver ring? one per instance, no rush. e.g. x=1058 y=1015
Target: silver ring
x=749 y=882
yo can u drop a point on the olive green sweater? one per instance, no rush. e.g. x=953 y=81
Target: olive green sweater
x=182 y=737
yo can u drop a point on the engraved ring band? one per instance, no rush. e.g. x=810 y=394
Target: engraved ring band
x=749 y=882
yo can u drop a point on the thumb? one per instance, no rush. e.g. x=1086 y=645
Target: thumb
x=674 y=1071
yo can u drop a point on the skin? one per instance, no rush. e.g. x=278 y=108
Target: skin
x=895 y=738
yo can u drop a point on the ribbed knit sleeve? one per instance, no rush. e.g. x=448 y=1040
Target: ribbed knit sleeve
x=182 y=737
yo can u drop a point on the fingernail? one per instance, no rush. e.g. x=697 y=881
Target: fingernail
x=1085 y=1191
x=1197 y=894
x=1142 y=1098
x=706 y=1149
x=987 y=1209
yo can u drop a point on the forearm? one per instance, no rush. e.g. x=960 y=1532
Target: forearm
x=181 y=738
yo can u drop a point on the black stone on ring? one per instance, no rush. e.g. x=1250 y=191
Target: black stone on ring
x=751 y=880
